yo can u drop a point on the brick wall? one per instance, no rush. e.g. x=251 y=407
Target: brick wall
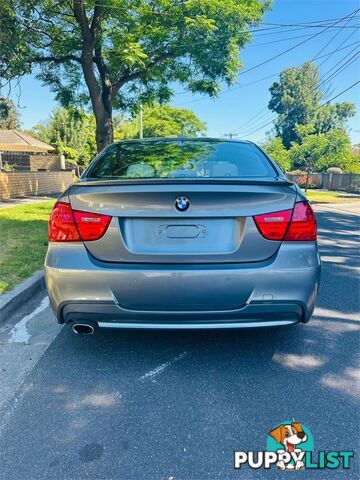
x=22 y=184
x=29 y=161
x=45 y=162
x=19 y=160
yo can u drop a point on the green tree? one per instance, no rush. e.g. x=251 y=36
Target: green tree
x=117 y=53
x=354 y=166
x=9 y=115
x=333 y=116
x=296 y=99
x=274 y=147
x=318 y=152
x=162 y=121
x=72 y=132
x=127 y=129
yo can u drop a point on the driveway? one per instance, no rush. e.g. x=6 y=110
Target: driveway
x=175 y=405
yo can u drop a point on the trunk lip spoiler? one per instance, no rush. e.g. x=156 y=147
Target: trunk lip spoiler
x=89 y=182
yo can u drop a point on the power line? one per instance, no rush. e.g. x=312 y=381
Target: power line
x=338 y=95
x=338 y=47
x=278 y=30
x=318 y=108
x=306 y=23
x=279 y=40
x=250 y=69
x=346 y=65
x=311 y=24
x=207 y=42
x=323 y=81
x=317 y=26
x=342 y=66
x=336 y=34
x=256 y=116
x=285 y=51
x=226 y=91
x=274 y=26
x=333 y=75
x=99 y=4
x=239 y=87
x=265 y=116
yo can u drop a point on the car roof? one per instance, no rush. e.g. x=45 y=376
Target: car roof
x=181 y=139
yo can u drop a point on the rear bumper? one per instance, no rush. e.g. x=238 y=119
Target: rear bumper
x=108 y=315
x=279 y=291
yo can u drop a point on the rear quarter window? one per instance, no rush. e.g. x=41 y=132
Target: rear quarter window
x=181 y=159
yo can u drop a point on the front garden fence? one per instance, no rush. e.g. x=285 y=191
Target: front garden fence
x=341 y=182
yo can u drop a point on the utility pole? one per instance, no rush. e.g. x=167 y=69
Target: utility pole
x=141 y=133
x=230 y=135
x=141 y=129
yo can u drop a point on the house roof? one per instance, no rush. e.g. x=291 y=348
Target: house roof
x=13 y=140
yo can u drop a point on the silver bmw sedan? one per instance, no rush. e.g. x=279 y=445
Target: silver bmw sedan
x=182 y=233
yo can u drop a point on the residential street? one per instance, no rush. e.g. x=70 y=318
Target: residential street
x=135 y=405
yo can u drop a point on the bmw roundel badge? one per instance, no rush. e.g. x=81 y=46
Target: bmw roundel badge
x=182 y=203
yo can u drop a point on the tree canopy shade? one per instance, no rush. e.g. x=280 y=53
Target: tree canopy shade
x=296 y=99
x=117 y=53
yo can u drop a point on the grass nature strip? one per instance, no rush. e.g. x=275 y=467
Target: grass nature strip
x=23 y=241
x=330 y=197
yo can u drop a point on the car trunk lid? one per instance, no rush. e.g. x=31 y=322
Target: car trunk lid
x=218 y=226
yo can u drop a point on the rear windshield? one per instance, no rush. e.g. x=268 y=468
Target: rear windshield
x=181 y=159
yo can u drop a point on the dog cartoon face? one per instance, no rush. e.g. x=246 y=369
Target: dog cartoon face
x=289 y=435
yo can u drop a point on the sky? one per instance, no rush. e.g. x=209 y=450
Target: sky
x=243 y=109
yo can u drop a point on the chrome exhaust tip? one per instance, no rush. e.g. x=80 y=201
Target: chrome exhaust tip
x=83 y=329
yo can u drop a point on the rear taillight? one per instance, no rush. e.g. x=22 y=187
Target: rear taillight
x=303 y=224
x=62 y=226
x=67 y=225
x=273 y=226
x=298 y=224
x=91 y=226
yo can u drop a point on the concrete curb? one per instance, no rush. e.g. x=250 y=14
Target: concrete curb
x=11 y=301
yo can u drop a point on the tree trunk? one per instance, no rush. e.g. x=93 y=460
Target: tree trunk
x=100 y=95
x=104 y=129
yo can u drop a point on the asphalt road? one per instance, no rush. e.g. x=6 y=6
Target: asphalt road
x=175 y=405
